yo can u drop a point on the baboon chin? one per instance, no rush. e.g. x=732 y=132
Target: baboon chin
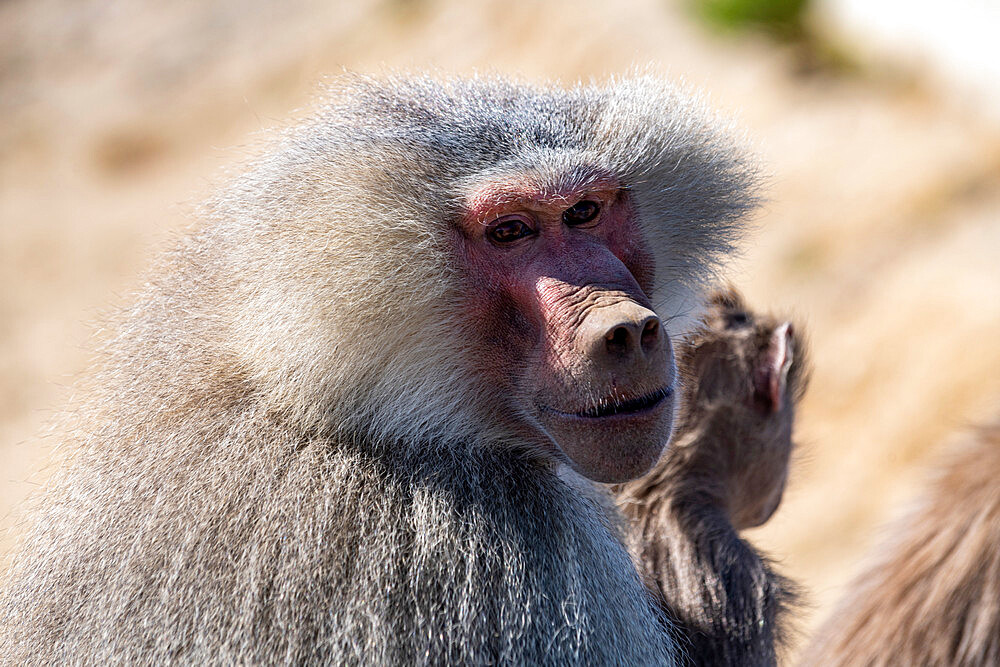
x=329 y=429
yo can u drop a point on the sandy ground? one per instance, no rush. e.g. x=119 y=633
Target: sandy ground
x=882 y=235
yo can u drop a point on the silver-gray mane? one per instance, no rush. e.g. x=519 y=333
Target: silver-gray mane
x=284 y=457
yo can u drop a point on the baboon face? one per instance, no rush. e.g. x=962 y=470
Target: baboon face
x=750 y=368
x=559 y=280
x=744 y=358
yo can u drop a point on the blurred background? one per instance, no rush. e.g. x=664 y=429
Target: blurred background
x=878 y=120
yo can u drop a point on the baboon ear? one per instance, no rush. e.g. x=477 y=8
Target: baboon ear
x=770 y=377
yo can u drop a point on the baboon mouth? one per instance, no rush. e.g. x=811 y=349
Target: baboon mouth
x=612 y=407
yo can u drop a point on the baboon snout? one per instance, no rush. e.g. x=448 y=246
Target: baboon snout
x=624 y=333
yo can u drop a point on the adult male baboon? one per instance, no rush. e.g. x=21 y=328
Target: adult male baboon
x=934 y=597
x=327 y=432
x=725 y=471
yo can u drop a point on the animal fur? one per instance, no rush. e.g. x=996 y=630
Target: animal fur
x=933 y=598
x=285 y=457
x=725 y=470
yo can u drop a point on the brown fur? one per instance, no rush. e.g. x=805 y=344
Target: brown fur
x=725 y=470
x=934 y=597
x=289 y=455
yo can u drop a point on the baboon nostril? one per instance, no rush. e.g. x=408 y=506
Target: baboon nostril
x=650 y=333
x=622 y=333
x=618 y=340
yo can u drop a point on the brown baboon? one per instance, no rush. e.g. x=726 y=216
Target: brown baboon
x=725 y=471
x=933 y=598
x=328 y=430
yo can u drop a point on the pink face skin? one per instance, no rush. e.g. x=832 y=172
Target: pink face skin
x=569 y=336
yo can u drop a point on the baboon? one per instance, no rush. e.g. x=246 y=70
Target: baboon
x=725 y=471
x=933 y=598
x=330 y=428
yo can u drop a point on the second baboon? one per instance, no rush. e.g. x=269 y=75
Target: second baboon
x=933 y=597
x=725 y=470
x=328 y=431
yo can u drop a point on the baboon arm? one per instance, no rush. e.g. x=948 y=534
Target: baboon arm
x=726 y=599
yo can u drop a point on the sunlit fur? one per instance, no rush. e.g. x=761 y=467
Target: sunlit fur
x=729 y=459
x=287 y=455
x=931 y=595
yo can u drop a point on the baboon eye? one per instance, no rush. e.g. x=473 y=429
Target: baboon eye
x=509 y=230
x=738 y=319
x=581 y=212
